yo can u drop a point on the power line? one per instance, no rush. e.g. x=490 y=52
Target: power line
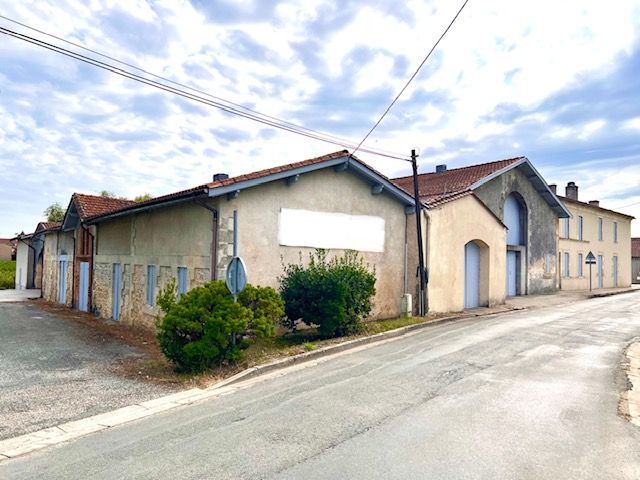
x=435 y=45
x=630 y=205
x=216 y=102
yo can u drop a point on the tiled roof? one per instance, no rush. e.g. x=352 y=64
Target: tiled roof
x=230 y=181
x=89 y=206
x=7 y=241
x=438 y=188
x=594 y=207
x=44 y=226
x=635 y=247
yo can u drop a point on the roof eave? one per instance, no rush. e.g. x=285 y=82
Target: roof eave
x=349 y=162
x=202 y=193
x=536 y=180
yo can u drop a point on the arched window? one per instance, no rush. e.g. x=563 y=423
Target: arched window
x=515 y=218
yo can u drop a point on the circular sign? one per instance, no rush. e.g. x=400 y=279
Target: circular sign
x=236 y=276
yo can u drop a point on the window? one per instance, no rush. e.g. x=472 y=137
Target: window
x=615 y=232
x=580 y=262
x=565 y=228
x=565 y=265
x=151 y=284
x=548 y=262
x=182 y=280
x=580 y=227
x=600 y=228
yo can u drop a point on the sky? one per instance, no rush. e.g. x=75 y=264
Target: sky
x=558 y=82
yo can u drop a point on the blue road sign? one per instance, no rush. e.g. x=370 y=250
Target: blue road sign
x=236 y=276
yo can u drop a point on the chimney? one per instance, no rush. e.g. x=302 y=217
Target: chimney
x=572 y=191
x=554 y=188
x=220 y=176
x=595 y=203
x=441 y=168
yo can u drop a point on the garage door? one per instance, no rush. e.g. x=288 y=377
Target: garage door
x=471 y=275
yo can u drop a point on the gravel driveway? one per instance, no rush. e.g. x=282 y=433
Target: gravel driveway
x=53 y=371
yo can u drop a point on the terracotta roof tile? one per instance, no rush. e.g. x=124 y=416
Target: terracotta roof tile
x=635 y=247
x=45 y=226
x=594 y=207
x=92 y=205
x=228 y=181
x=438 y=188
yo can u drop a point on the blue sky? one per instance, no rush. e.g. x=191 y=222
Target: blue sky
x=558 y=82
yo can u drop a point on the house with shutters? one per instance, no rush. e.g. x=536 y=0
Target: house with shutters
x=491 y=232
x=603 y=232
x=334 y=202
x=68 y=251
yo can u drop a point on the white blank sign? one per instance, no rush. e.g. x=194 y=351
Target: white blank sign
x=306 y=228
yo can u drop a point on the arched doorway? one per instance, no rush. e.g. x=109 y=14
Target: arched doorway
x=515 y=219
x=476 y=274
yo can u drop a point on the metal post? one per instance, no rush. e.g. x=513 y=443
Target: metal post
x=421 y=271
x=590 y=265
x=235 y=249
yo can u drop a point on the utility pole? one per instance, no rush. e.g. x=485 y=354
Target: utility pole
x=421 y=270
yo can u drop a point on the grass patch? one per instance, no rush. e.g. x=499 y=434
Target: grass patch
x=7 y=274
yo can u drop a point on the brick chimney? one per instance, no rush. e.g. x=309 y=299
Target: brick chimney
x=571 y=191
x=554 y=188
x=595 y=203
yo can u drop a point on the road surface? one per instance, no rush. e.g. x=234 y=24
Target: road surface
x=526 y=395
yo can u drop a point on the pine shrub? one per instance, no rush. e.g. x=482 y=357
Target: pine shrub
x=205 y=327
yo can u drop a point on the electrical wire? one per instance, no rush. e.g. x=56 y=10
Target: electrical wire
x=216 y=102
x=435 y=45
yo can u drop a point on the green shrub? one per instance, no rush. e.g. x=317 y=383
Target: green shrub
x=333 y=294
x=205 y=327
x=7 y=274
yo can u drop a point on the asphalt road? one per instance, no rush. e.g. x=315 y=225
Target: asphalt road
x=525 y=395
x=54 y=370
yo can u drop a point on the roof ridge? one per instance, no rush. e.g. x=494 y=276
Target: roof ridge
x=513 y=159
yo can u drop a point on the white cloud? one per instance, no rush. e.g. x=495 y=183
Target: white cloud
x=82 y=128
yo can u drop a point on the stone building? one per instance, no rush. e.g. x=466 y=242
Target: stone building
x=68 y=251
x=591 y=228
x=334 y=202
x=7 y=249
x=635 y=260
x=491 y=232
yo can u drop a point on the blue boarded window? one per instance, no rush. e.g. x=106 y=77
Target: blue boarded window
x=565 y=266
x=580 y=260
x=182 y=280
x=599 y=228
x=580 y=228
x=151 y=284
x=615 y=232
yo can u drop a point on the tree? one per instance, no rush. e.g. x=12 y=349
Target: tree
x=54 y=212
x=144 y=197
x=107 y=193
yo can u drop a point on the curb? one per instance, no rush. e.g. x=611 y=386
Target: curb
x=630 y=399
x=348 y=345
x=18 y=446
x=610 y=294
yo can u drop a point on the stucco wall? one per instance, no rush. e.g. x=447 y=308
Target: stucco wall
x=24 y=265
x=172 y=237
x=608 y=248
x=451 y=227
x=542 y=223
x=323 y=191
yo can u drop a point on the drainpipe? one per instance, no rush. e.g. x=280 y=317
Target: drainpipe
x=90 y=299
x=214 y=239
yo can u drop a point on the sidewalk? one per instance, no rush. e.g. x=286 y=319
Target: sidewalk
x=565 y=296
x=19 y=295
